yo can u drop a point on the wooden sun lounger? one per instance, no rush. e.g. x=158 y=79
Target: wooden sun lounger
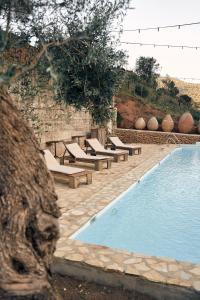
x=97 y=148
x=117 y=144
x=77 y=154
x=73 y=175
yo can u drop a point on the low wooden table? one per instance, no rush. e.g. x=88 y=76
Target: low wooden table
x=65 y=142
x=49 y=143
x=78 y=137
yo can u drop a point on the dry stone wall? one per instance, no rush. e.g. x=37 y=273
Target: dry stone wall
x=155 y=137
x=51 y=120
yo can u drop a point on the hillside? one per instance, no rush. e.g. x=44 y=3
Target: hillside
x=130 y=108
x=136 y=98
x=191 y=89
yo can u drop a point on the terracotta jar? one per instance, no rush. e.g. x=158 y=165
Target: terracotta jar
x=140 y=124
x=186 y=123
x=152 y=124
x=198 y=127
x=167 y=123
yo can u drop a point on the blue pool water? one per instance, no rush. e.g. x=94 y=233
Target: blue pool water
x=159 y=216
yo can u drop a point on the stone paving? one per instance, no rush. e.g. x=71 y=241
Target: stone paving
x=80 y=205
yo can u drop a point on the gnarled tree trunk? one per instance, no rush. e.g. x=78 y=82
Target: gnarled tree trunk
x=28 y=210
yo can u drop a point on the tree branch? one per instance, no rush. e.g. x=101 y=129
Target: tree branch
x=21 y=71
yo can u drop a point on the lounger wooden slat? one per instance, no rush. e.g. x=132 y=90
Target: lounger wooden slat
x=72 y=175
x=97 y=148
x=77 y=154
x=117 y=144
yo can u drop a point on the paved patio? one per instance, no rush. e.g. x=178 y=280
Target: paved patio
x=138 y=165
x=80 y=205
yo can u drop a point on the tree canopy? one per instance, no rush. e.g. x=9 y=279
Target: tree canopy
x=146 y=70
x=73 y=45
x=185 y=99
x=170 y=87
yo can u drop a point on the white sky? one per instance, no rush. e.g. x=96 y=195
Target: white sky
x=152 y=13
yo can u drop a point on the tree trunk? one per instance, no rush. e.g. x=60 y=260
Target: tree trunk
x=28 y=210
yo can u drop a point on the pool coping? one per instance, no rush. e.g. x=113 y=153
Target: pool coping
x=150 y=269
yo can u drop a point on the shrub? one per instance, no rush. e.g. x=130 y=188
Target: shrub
x=195 y=114
x=141 y=90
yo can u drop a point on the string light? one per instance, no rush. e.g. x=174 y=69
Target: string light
x=159 y=45
x=130 y=6
x=160 y=27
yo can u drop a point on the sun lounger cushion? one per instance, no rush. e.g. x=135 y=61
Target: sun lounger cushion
x=54 y=166
x=118 y=143
x=50 y=159
x=94 y=144
x=66 y=170
x=77 y=152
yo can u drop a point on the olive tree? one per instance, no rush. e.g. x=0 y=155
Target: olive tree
x=68 y=42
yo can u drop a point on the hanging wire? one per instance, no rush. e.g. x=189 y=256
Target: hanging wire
x=163 y=45
x=160 y=27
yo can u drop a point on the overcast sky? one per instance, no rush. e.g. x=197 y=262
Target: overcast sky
x=151 y=13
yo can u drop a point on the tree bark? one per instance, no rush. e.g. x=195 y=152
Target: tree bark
x=28 y=210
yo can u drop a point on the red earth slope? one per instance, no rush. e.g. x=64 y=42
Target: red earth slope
x=130 y=109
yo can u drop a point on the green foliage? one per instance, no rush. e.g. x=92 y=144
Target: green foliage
x=141 y=90
x=89 y=77
x=119 y=119
x=164 y=98
x=130 y=79
x=73 y=47
x=170 y=87
x=159 y=119
x=195 y=114
x=185 y=100
x=8 y=74
x=146 y=70
x=160 y=92
x=16 y=10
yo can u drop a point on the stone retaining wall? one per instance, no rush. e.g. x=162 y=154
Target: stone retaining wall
x=51 y=120
x=155 y=137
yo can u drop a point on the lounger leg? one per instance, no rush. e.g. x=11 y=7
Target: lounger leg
x=126 y=157
x=116 y=158
x=137 y=151
x=108 y=164
x=131 y=152
x=89 y=178
x=73 y=182
x=62 y=160
x=98 y=165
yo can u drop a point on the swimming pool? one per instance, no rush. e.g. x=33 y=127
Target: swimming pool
x=158 y=216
